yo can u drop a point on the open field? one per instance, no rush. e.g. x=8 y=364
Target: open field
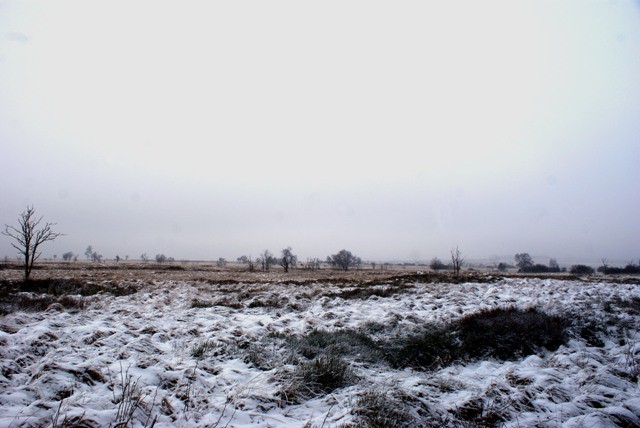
x=197 y=345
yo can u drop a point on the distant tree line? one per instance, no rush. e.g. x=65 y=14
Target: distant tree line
x=342 y=260
x=629 y=269
x=525 y=264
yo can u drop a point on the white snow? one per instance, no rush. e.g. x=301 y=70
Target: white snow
x=72 y=363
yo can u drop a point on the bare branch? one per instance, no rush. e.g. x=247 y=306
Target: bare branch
x=29 y=238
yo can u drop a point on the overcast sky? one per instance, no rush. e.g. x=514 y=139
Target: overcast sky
x=396 y=130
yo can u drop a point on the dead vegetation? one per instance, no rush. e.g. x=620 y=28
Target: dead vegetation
x=323 y=357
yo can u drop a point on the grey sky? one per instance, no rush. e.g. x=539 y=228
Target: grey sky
x=394 y=129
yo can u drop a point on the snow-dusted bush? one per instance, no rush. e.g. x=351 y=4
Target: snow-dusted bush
x=509 y=333
x=345 y=342
x=37 y=303
x=502 y=333
x=317 y=377
x=379 y=409
x=432 y=348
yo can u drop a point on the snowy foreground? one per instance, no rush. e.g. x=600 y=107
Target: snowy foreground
x=197 y=353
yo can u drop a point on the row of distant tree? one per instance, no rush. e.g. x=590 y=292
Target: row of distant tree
x=524 y=262
x=31 y=233
x=343 y=259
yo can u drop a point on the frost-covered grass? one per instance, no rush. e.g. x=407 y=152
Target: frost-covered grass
x=266 y=351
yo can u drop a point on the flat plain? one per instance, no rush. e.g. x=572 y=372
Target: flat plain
x=146 y=344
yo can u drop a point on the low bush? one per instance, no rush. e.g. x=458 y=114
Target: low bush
x=581 y=270
x=630 y=305
x=377 y=409
x=366 y=292
x=501 y=333
x=197 y=303
x=200 y=350
x=37 y=303
x=317 y=377
x=629 y=269
x=339 y=342
x=434 y=347
x=509 y=333
x=67 y=286
x=540 y=268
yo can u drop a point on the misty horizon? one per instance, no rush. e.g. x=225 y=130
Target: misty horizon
x=396 y=132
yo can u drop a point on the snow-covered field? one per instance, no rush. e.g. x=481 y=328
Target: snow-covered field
x=201 y=353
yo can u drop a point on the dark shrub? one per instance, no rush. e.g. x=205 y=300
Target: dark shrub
x=436 y=264
x=65 y=286
x=325 y=374
x=197 y=303
x=502 y=333
x=581 y=270
x=629 y=269
x=631 y=305
x=540 y=268
x=318 y=377
x=435 y=347
x=508 y=333
x=339 y=342
x=379 y=410
x=504 y=266
x=30 y=303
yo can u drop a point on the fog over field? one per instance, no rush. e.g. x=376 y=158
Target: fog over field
x=395 y=130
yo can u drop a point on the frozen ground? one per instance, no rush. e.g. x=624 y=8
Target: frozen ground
x=201 y=353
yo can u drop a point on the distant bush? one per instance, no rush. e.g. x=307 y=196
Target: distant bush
x=581 y=270
x=540 y=268
x=504 y=266
x=344 y=260
x=437 y=264
x=629 y=269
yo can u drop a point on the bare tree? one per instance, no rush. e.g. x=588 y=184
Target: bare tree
x=89 y=252
x=605 y=266
x=29 y=236
x=288 y=259
x=312 y=264
x=67 y=256
x=344 y=259
x=456 y=260
x=247 y=260
x=523 y=261
x=266 y=259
